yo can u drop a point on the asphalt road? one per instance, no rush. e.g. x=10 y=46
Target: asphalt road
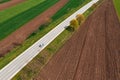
x=22 y=60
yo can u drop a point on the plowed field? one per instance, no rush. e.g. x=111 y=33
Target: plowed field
x=92 y=53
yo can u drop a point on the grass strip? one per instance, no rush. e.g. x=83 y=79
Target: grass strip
x=117 y=7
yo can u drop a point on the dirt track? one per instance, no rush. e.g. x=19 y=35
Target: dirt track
x=92 y=53
x=22 y=33
x=9 y=4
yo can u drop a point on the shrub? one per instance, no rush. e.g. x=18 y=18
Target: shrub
x=80 y=18
x=74 y=24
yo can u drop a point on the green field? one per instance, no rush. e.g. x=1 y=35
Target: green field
x=9 y=26
x=2 y=1
x=15 y=10
x=70 y=5
x=117 y=6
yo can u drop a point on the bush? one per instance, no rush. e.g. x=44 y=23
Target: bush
x=80 y=18
x=74 y=24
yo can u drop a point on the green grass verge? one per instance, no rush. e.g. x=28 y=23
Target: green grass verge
x=117 y=6
x=19 y=8
x=9 y=26
x=2 y=1
x=38 y=34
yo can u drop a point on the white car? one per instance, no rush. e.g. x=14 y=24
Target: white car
x=41 y=45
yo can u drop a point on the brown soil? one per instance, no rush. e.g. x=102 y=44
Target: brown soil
x=22 y=33
x=9 y=4
x=92 y=53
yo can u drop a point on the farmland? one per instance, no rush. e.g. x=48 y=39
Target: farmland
x=117 y=6
x=40 y=60
x=2 y=1
x=17 y=9
x=9 y=3
x=70 y=5
x=26 y=44
x=90 y=52
x=17 y=21
x=22 y=31
x=42 y=31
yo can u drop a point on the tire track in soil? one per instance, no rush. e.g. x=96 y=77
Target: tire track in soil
x=112 y=44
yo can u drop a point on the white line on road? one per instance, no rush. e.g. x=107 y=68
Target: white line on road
x=10 y=70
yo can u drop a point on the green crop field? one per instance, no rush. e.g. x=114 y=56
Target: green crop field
x=117 y=6
x=17 y=21
x=70 y=5
x=13 y=11
x=2 y=1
